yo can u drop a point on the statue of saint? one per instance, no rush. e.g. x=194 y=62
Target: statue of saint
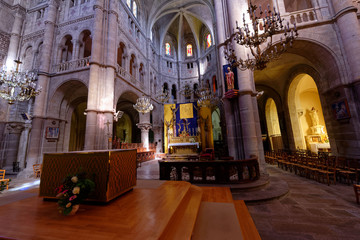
x=229 y=79
x=314 y=117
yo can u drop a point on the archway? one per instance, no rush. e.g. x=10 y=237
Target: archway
x=306 y=114
x=78 y=128
x=273 y=126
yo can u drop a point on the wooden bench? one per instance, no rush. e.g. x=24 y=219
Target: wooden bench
x=3 y=180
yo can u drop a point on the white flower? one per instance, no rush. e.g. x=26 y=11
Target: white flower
x=74 y=179
x=68 y=205
x=76 y=190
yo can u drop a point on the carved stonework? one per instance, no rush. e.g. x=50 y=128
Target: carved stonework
x=15 y=128
x=144 y=126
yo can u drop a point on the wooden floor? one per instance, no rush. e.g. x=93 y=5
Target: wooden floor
x=168 y=212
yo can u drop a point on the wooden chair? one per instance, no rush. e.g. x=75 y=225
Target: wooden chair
x=357 y=192
x=209 y=154
x=3 y=180
x=37 y=170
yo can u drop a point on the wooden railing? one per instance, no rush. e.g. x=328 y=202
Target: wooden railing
x=219 y=171
x=72 y=65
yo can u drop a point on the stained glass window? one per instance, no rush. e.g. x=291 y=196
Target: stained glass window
x=167 y=49
x=208 y=41
x=128 y=2
x=134 y=9
x=189 y=50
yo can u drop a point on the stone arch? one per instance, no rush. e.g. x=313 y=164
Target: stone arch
x=273 y=126
x=66 y=49
x=133 y=65
x=68 y=103
x=85 y=44
x=121 y=55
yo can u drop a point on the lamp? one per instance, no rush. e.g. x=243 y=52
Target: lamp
x=17 y=86
x=163 y=96
x=207 y=98
x=143 y=105
x=186 y=92
x=118 y=115
x=252 y=35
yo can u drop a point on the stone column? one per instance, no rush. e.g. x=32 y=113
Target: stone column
x=76 y=50
x=14 y=131
x=40 y=105
x=92 y=123
x=24 y=140
x=349 y=27
x=246 y=99
x=144 y=127
x=15 y=38
x=158 y=137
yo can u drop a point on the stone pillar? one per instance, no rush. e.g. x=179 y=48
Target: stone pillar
x=246 y=99
x=144 y=127
x=349 y=27
x=40 y=105
x=24 y=140
x=158 y=137
x=14 y=131
x=76 y=52
x=95 y=123
x=15 y=39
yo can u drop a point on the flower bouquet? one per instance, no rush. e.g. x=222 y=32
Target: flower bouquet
x=72 y=192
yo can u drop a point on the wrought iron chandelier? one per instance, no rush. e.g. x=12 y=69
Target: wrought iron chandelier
x=207 y=98
x=256 y=33
x=164 y=96
x=18 y=86
x=186 y=91
x=143 y=105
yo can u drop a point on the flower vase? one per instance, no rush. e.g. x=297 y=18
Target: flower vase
x=74 y=209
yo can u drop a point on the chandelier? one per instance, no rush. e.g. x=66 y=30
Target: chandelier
x=163 y=96
x=143 y=105
x=117 y=115
x=252 y=35
x=186 y=92
x=17 y=86
x=207 y=98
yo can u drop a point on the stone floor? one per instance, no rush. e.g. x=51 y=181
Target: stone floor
x=310 y=210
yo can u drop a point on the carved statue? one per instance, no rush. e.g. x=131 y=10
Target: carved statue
x=229 y=79
x=314 y=117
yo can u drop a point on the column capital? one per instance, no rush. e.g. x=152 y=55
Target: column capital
x=144 y=126
x=15 y=128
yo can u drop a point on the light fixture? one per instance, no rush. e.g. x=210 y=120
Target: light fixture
x=143 y=105
x=163 y=96
x=207 y=98
x=256 y=33
x=117 y=115
x=18 y=86
x=186 y=92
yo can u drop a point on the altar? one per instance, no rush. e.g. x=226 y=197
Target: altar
x=113 y=171
x=316 y=147
x=183 y=148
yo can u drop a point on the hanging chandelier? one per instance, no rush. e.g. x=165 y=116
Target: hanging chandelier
x=186 y=92
x=143 y=105
x=18 y=86
x=253 y=35
x=164 y=96
x=207 y=98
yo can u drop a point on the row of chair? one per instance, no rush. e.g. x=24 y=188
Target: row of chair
x=320 y=167
x=3 y=180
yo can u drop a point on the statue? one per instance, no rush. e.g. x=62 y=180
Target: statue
x=174 y=110
x=314 y=117
x=229 y=79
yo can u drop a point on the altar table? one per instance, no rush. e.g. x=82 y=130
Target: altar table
x=183 y=148
x=113 y=171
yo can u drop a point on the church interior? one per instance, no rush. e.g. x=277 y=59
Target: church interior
x=207 y=119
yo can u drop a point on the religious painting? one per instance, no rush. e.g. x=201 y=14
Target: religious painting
x=230 y=77
x=52 y=133
x=186 y=110
x=341 y=110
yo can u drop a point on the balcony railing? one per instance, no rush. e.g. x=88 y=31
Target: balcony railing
x=301 y=17
x=121 y=72
x=72 y=65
